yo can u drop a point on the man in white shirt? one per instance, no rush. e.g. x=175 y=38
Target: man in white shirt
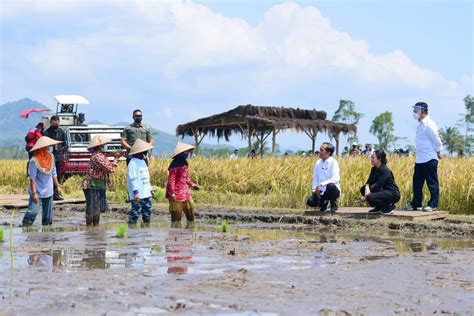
x=428 y=152
x=326 y=187
x=235 y=155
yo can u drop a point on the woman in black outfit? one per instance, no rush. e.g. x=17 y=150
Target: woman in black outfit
x=380 y=190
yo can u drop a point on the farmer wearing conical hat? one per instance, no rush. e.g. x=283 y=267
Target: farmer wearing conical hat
x=177 y=190
x=138 y=183
x=43 y=180
x=97 y=178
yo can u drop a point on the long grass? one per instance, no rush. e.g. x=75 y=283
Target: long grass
x=275 y=182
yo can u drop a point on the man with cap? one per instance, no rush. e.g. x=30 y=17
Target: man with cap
x=138 y=183
x=177 y=189
x=355 y=150
x=135 y=131
x=43 y=177
x=97 y=178
x=428 y=153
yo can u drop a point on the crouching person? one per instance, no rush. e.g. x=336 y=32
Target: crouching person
x=326 y=188
x=97 y=178
x=138 y=183
x=43 y=180
x=380 y=190
x=177 y=189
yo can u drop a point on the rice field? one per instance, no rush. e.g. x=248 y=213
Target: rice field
x=274 y=182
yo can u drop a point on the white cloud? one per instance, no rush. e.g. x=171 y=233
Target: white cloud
x=172 y=38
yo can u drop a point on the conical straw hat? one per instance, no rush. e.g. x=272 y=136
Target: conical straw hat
x=181 y=148
x=139 y=146
x=44 y=141
x=98 y=140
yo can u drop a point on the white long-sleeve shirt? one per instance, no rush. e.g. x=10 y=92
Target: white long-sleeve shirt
x=138 y=179
x=326 y=172
x=428 y=142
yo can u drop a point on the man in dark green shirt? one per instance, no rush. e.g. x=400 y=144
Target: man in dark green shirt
x=135 y=131
x=57 y=133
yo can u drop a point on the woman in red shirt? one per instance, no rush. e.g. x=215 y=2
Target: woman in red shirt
x=177 y=189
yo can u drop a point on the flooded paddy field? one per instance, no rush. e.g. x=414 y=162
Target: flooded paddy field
x=254 y=268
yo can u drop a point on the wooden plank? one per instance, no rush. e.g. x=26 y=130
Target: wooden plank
x=23 y=203
x=361 y=212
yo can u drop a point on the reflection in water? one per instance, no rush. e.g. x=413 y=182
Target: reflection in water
x=47 y=260
x=178 y=250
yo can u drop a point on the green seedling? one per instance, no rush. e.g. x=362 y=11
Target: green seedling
x=158 y=194
x=2 y=234
x=121 y=231
x=224 y=226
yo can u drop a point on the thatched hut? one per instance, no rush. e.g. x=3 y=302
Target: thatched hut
x=263 y=121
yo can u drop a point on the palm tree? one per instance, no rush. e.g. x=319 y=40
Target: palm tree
x=452 y=139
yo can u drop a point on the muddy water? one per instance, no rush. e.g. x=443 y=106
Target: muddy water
x=252 y=269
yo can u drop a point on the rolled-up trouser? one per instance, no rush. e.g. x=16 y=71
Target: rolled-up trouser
x=143 y=207
x=177 y=209
x=47 y=208
x=381 y=199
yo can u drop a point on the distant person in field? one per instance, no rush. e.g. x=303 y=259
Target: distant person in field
x=97 y=178
x=138 y=183
x=235 y=155
x=326 y=187
x=43 y=178
x=380 y=190
x=177 y=189
x=251 y=154
x=368 y=151
x=31 y=138
x=135 y=131
x=428 y=153
x=355 y=150
x=57 y=133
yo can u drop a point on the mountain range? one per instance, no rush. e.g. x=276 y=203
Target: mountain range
x=15 y=128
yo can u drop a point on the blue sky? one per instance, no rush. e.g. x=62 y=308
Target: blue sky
x=179 y=61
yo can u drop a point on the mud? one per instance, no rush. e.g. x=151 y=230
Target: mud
x=255 y=268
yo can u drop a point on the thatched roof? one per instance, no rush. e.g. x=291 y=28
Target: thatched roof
x=262 y=119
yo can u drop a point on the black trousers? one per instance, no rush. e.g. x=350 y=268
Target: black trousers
x=428 y=172
x=331 y=194
x=381 y=199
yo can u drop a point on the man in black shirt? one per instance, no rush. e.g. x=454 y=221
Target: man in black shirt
x=57 y=133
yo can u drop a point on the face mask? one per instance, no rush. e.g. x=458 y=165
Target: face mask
x=416 y=115
x=138 y=120
x=54 y=127
x=185 y=155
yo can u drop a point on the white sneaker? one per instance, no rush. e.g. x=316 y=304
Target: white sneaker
x=410 y=207
x=429 y=209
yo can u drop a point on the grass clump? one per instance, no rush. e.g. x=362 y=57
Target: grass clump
x=2 y=234
x=224 y=226
x=121 y=231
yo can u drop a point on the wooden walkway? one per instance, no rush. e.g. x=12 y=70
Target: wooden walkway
x=362 y=212
x=17 y=201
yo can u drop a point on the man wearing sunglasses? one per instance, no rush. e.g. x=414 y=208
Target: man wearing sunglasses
x=135 y=131
x=428 y=153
